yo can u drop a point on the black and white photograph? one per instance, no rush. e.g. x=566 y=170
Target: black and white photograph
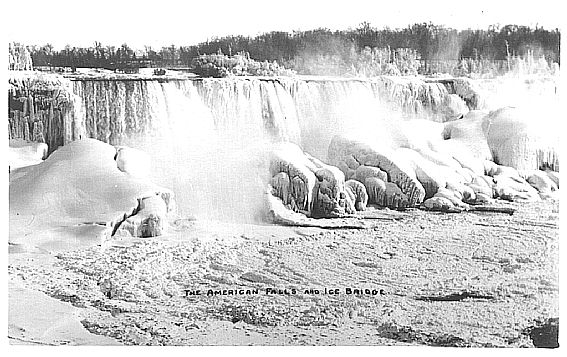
x=283 y=173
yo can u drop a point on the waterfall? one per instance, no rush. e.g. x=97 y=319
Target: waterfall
x=251 y=107
x=207 y=136
x=304 y=111
x=113 y=111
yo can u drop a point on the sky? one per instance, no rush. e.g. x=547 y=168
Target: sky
x=166 y=22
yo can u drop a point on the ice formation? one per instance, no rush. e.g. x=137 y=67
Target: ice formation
x=344 y=152
x=357 y=194
x=523 y=139
x=447 y=168
x=307 y=185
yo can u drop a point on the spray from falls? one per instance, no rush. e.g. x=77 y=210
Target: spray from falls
x=211 y=164
x=209 y=139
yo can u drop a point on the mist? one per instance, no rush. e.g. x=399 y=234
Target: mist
x=215 y=172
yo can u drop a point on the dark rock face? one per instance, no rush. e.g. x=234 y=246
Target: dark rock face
x=546 y=335
x=40 y=109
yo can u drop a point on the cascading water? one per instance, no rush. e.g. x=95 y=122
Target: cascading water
x=279 y=109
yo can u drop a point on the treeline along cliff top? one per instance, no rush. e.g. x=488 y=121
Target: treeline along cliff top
x=424 y=47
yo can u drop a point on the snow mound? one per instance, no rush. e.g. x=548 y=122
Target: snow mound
x=76 y=196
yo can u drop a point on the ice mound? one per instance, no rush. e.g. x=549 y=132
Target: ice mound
x=77 y=194
x=22 y=153
x=519 y=138
x=150 y=218
x=349 y=155
x=525 y=140
x=279 y=213
x=470 y=132
x=306 y=185
x=445 y=167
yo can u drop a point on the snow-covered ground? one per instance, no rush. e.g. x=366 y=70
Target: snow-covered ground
x=468 y=279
